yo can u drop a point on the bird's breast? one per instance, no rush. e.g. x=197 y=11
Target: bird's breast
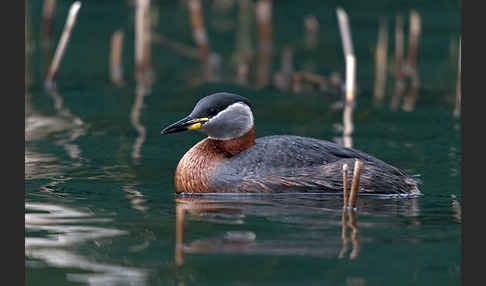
x=194 y=170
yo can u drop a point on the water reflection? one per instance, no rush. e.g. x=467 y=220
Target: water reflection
x=456 y=208
x=53 y=230
x=322 y=222
x=354 y=237
x=141 y=92
x=39 y=126
x=65 y=127
x=136 y=198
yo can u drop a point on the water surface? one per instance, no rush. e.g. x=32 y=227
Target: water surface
x=100 y=207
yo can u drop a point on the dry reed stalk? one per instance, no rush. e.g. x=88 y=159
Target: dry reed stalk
x=198 y=30
x=399 y=81
x=140 y=15
x=46 y=24
x=283 y=78
x=311 y=33
x=345 y=32
x=350 y=76
x=410 y=69
x=45 y=35
x=116 y=70
x=457 y=109
x=150 y=14
x=297 y=82
x=242 y=73
x=350 y=79
x=348 y=126
x=381 y=56
x=179 y=253
x=244 y=50
x=314 y=78
x=66 y=33
x=410 y=99
x=142 y=41
x=178 y=47
x=413 y=42
x=263 y=11
x=345 y=185
x=300 y=77
x=353 y=197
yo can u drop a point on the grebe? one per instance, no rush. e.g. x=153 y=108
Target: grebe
x=230 y=160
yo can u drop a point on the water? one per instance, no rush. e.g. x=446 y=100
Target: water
x=100 y=207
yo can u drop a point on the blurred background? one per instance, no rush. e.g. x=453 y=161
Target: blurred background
x=104 y=79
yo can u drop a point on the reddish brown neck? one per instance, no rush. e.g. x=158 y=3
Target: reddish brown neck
x=235 y=146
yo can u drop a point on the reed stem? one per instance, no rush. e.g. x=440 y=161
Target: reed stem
x=345 y=32
x=350 y=101
x=263 y=11
x=297 y=82
x=413 y=42
x=311 y=26
x=46 y=24
x=399 y=81
x=411 y=70
x=178 y=47
x=345 y=185
x=353 y=197
x=143 y=30
x=66 y=33
x=244 y=50
x=283 y=78
x=116 y=70
x=381 y=56
x=350 y=76
x=198 y=30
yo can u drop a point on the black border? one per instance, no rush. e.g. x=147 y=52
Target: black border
x=13 y=134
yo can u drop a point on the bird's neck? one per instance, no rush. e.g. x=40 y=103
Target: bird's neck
x=236 y=145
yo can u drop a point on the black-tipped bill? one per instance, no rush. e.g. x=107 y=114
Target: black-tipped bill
x=185 y=124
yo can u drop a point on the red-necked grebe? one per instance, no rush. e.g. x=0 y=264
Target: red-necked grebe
x=230 y=160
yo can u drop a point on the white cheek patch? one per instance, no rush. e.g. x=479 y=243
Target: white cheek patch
x=232 y=122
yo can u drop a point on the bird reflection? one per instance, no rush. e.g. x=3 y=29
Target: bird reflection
x=317 y=217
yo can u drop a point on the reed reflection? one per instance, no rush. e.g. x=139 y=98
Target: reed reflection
x=141 y=91
x=39 y=126
x=316 y=216
x=354 y=236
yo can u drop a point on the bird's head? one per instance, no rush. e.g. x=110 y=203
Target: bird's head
x=222 y=116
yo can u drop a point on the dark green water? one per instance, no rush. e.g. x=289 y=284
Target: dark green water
x=99 y=198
